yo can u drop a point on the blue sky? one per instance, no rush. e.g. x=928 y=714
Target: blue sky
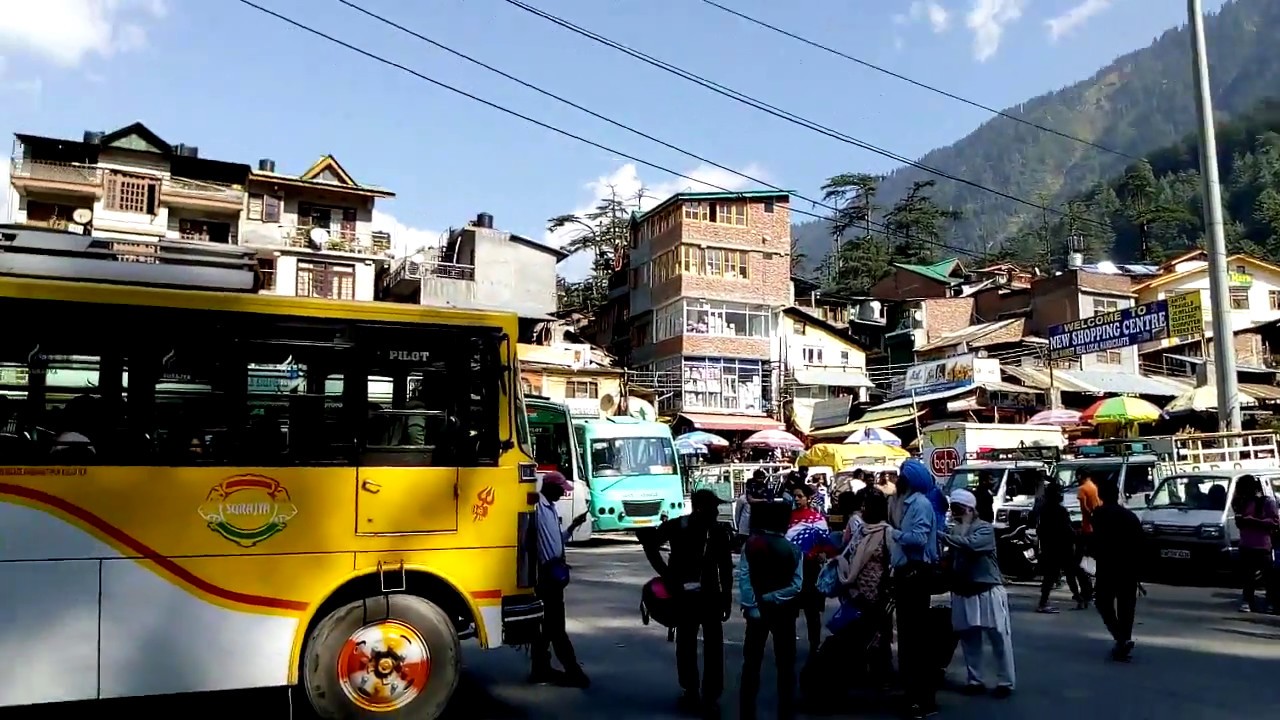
x=243 y=86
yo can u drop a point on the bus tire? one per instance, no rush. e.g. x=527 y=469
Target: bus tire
x=393 y=657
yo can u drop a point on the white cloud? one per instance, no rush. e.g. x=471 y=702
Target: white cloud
x=627 y=184
x=938 y=17
x=987 y=20
x=1073 y=18
x=405 y=239
x=65 y=32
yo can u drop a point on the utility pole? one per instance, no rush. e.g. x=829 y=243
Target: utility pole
x=1215 y=235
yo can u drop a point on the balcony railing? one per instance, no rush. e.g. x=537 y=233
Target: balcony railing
x=216 y=192
x=336 y=240
x=419 y=268
x=50 y=171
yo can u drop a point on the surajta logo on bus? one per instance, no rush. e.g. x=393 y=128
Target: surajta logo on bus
x=248 y=509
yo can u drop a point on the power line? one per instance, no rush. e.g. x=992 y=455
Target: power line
x=931 y=88
x=778 y=112
x=547 y=126
x=885 y=229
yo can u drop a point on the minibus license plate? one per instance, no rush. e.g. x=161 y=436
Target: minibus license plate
x=1176 y=554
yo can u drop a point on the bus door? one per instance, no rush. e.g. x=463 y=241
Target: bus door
x=436 y=430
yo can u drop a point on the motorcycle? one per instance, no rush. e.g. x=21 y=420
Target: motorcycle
x=1018 y=554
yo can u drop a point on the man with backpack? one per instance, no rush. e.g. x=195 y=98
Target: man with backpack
x=698 y=573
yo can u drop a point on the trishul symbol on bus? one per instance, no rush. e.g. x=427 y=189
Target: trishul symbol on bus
x=484 y=500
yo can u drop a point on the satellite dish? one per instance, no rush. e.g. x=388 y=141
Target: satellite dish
x=641 y=409
x=607 y=404
x=82 y=216
x=319 y=236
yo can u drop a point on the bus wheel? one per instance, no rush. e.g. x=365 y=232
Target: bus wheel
x=395 y=657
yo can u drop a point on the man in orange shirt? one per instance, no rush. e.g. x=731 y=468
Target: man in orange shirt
x=1089 y=502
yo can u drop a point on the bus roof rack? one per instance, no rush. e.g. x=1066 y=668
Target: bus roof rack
x=1116 y=448
x=1030 y=453
x=58 y=255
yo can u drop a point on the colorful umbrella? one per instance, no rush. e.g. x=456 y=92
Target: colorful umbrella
x=873 y=435
x=809 y=533
x=704 y=438
x=1059 y=418
x=1121 y=410
x=689 y=447
x=773 y=439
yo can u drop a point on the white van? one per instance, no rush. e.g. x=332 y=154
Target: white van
x=1188 y=520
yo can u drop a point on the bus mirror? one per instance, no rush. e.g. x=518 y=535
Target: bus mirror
x=1146 y=497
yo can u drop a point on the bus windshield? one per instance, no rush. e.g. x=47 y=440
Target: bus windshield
x=625 y=456
x=549 y=427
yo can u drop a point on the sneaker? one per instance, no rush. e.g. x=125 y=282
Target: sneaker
x=1002 y=692
x=1246 y=607
x=1047 y=610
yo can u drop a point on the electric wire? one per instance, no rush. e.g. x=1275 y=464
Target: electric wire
x=547 y=126
x=778 y=112
x=924 y=86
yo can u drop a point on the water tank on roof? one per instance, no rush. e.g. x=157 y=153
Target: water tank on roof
x=484 y=220
x=92 y=137
x=267 y=165
x=186 y=150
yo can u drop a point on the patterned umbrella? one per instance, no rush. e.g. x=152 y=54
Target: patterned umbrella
x=1121 y=410
x=873 y=435
x=689 y=447
x=774 y=439
x=704 y=438
x=1060 y=418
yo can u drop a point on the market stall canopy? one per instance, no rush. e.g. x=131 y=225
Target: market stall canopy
x=842 y=456
x=1203 y=399
x=1058 y=418
x=774 y=439
x=703 y=438
x=713 y=421
x=893 y=417
x=873 y=435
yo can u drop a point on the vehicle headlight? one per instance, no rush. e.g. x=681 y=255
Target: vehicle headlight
x=1211 y=531
x=1148 y=527
x=1002 y=516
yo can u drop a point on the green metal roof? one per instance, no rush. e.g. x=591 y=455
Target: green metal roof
x=942 y=272
x=698 y=196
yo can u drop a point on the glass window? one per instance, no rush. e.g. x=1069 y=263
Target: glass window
x=725 y=384
x=1193 y=492
x=614 y=457
x=690 y=259
x=582 y=389
x=1239 y=298
x=728 y=319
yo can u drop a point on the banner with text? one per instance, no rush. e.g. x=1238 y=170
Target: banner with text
x=1110 y=331
x=1186 y=315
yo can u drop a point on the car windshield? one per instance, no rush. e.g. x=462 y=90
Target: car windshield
x=966 y=479
x=1193 y=492
x=1068 y=476
x=632 y=456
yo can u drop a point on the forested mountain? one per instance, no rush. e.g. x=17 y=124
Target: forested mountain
x=1141 y=102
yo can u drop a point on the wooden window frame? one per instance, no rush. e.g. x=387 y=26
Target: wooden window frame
x=129 y=193
x=328 y=277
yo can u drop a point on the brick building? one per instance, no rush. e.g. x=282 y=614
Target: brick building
x=708 y=275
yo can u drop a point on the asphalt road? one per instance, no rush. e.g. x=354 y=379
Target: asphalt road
x=1197 y=658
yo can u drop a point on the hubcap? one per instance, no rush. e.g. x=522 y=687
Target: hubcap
x=384 y=665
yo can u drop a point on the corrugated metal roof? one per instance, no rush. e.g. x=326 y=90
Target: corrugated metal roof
x=1119 y=383
x=972 y=335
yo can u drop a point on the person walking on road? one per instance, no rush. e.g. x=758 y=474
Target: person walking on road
x=770 y=578
x=1117 y=548
x=553 y=578
x=914 y=556
x=808 y=530
x=1256 y=517
x=699 y=573
x=1057 y=548
x=979 y=603
x=1089 y=504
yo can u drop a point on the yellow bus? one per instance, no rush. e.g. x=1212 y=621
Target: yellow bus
x=214 y=490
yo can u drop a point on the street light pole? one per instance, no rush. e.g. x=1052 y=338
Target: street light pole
x=1215 y=235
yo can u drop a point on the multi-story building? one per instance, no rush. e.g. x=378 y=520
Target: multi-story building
x=709 y=275
x=311 y=233
x=480 y=267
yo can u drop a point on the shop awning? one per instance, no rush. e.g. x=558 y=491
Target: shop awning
x=892 y=417
x=712 y=421
x=1098 y=382
x=833 y=378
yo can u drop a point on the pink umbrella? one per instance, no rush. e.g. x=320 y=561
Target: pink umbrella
x=1060 y=418
x=774 y=439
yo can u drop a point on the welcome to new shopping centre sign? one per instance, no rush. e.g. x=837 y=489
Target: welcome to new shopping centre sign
x=1110 y=331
